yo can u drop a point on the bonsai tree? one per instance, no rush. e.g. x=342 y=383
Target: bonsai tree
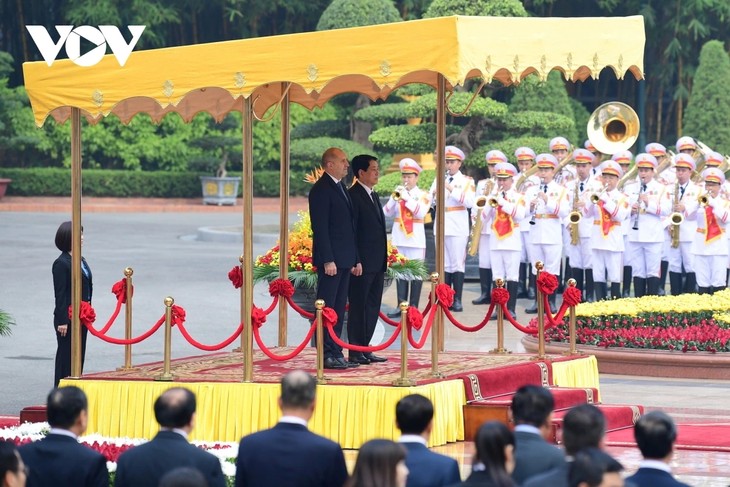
x=218 y=147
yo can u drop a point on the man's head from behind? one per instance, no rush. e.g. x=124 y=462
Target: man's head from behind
x=66 y=408
x=655 y=434
x=298 y=394
x=175 y=408
x=414 y=415
x=592 y=467
x=583 y=427
x=532 y=405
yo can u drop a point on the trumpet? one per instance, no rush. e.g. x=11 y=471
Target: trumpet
x=704 y=199
x=493 y=202
x=397 y=193
x=596 y=197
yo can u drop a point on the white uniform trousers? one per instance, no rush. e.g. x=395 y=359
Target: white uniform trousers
x=645 y=258
x=625 y=259
x=607 y=266
x=580 y=254
x=680 y=257
x=485 y=258
x=710 y=270
x=455 y=253
x=549 y=254
x=525 y=252
x=506 y=264
x=666 y=247
x=413 y=253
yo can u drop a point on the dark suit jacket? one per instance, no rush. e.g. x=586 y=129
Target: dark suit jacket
x=289 y=455
x=333 y=226
x=62 y=287
x=652 y=477
x=144 y=465
x=61 y=461
x=372 y=242
x=429 y=469
x=534 y=455
x=476 y=479
x=557 y=477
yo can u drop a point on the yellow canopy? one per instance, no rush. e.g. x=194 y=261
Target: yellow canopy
x=371 y=60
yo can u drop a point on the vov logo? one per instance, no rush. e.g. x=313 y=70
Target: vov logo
x=71 y=36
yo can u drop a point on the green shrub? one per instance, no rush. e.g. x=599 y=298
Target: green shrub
x=496 y=8
x=321 y=128
x=539 y=124
x=306 y=154
x=417 y=139
x=425 y=106
x=508 y=146
x=387 y=183
x=383 y=112
x=581 y=116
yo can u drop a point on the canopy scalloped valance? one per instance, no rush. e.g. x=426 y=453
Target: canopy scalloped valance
x=315 y=66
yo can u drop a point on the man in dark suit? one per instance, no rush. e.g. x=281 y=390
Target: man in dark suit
x=655 y=434
x=59 y=460
x=532 y=411
x=592 y=466
x=289 y=454
x=366 y=290
x=146 y=464
x=414 y=418
x=583 y=427
x=334 y=251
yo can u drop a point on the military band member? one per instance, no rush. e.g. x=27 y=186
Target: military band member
x=597 y=158
x=548 y=204
x=624 y=159
x=505 y=241
x=681 y=259
x=710 y=246
x=607 y=240
x=487 y=188
x=715 y=159
x=686 y=145
x=525 y=160
x=649 y=206
x=459 y=199
x=580 y=254
x=408 y=233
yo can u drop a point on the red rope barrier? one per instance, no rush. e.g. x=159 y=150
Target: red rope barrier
x=210 y=348
x=288 y=356
x=465 y=327
x=122 y=341
x=274 y=302
x=301 y=311
x=553 y=320
x=516 y=324
x=424 y=335
x=358 y=348
x=387 y=320
x=113 y=318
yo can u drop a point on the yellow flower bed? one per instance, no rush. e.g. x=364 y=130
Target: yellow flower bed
x=718 y=304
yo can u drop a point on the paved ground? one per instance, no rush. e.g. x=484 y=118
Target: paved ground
x=158 y=239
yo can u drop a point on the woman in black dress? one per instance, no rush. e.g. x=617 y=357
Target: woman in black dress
x=62 y=289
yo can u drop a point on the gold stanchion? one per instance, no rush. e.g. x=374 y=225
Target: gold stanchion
x=499 y=349
x=128 y=319
x=166 y=374
x=572 y=350
x=246 y=335
x=403 y=380
x=319 y=305
x=540 y=316
x=435 y=330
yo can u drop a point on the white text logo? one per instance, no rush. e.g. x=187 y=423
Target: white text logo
x=71 y=36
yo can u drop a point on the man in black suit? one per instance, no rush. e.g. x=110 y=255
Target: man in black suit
x=532 y=411
x=592 y=466
x=414 y=418
x=59 y=460
x=366 y=290
x=655 y=434
x=334 y=251
x=289 y=454
x=146 y=464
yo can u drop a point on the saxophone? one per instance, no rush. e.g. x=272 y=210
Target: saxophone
x=575 y=217
x=476 y=228
x=675 y=219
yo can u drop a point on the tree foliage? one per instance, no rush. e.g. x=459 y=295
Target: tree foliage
x=425 y=106
x=548 y=96
x=383 y=112
x=508 y=146
x=306 y=154
x=356 y=13
x=497 y=8
x=710 y=99
x=417 y=139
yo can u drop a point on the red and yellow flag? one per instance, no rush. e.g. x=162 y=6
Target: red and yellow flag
x=713 y=228
x=502 y=224
x=606 y=222
x=406 y=218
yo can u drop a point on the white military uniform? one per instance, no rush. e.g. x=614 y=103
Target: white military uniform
x=411 y=244
x=580 y=254
x=484 y=254
x=647 y=234
x=456 y=227
x=525 y=226
x=505 y=238
x=546 y=235
x=710 y=245
x=682 y=256
x=607 y=240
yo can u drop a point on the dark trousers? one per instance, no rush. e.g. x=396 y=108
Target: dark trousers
x=63 y=354
x=333 y=290
x=366 y=294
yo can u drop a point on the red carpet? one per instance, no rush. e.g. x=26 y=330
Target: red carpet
x=708 y=437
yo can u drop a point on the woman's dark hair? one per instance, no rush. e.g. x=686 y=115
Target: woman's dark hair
x=9 y=458
x=491 y=440
x=63 y=237
x=376 y=464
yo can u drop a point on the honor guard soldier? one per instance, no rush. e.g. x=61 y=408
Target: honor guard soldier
x=559 y=147
x=624 y=158
x=686 y=145
x=665 y=175
x=548 y=204
x=715 y=159
x=710 y=246
x=596 y=164
x=684 y=203
x=408 y=234
x=459 y=198
x=525 y=160
x=648 y=208
x=486 y=188
x=607 y=208
x=502 y=213
x=579 y=252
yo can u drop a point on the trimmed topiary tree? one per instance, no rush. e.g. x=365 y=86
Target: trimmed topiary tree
x=496 y=8
x=709 y=101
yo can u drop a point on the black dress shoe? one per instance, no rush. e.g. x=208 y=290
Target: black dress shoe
x=457 y=306
x=374 y=358
x=394 y=314
x=532 y=310
x=334 y=363
x=358 y=359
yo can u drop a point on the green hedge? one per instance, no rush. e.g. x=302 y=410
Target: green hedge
x=145 y=184
x=321 y=128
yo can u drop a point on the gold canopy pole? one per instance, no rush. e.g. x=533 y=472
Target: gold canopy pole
x=247 y=296
x=75 y=242
x=284 y=211
x=440 y=187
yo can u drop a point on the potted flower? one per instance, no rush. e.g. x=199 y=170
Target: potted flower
x=219 y=189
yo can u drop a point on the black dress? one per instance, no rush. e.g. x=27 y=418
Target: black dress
x=62 y=290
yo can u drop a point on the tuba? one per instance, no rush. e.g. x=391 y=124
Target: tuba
x=613 y=127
